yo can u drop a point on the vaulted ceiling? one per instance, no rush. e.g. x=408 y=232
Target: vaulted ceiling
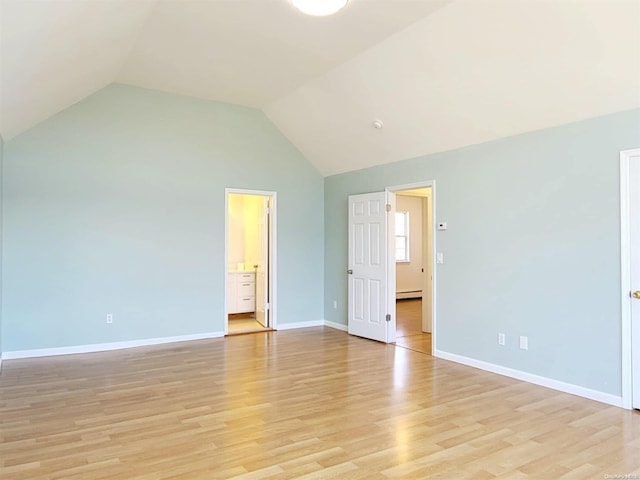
x=438 y=74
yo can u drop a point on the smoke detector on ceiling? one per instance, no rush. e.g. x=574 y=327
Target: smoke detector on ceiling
x=377 y=124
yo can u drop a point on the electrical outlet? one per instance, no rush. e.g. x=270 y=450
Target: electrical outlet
x=502 y=339
x=109 y=318
x=524 y=343
x=335 y=304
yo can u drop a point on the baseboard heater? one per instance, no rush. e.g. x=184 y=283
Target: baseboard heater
x=409 y=294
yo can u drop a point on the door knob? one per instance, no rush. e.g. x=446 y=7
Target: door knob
x=350 y=272
x=636 y=294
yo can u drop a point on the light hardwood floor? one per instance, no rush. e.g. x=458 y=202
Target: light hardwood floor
x=244 y=323
x=311 y=403
x=409 y=326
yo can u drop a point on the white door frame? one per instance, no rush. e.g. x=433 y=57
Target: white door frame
x=391 y=280
x=625 y=269
x=273 y=277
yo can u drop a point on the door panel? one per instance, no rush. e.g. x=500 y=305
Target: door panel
x=634 y=230
x=367 y=284
x=358 y=299
x=375 y=300
x=262 y=268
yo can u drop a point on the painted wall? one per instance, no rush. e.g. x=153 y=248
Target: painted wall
x=253 y=218
x=245 y=213
x=116 y=205
x=409 y=274
x=1 y=237
x=235 y=245
x=532 y=247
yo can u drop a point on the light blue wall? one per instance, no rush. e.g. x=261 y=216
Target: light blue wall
x=116 y=205
x=532 y=247
x=1 y=237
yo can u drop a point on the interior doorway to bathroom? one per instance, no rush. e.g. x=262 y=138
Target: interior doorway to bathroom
x=250 y=250
x=413 y=249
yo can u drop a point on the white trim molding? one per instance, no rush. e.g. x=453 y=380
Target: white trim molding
x=292 y=325
x=273 y=250
x=625 y=276
x=532 y=378
x=395 y=189
x=313 y=323
x=337 y=326
x=104 y=347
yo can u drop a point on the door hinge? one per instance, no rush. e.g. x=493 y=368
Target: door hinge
x=268 y=211
x=388 y=317
x=388 y=207
x=267 y=307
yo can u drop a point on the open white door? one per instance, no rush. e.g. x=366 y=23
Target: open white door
x=262 y=266
x=634 y=231
x=630 y=275
x=370 y=313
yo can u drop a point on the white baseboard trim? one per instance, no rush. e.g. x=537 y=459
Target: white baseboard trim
x=312 y=323
x=531 y=378
x=337 y=326
x=289 y=326
x=103 y=347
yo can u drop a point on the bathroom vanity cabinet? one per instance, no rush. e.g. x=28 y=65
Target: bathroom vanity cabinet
x=241 y=292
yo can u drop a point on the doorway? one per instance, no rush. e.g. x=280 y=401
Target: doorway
x=413 y=254
x=371 y=268
x=249 y=254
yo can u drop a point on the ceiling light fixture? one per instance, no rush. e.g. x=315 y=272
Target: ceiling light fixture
x=319 y=8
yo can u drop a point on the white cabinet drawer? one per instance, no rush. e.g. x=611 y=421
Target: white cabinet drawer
x=241 y=290
x=246 y=289
x=246 y=277
x=246 y=304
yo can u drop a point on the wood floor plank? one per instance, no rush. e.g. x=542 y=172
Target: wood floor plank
x=309 y=404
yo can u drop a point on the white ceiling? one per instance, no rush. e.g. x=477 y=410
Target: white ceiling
x=440 y=74
x=472 y=72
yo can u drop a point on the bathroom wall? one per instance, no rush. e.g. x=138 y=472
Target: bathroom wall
x=245 y=216
x=235 y=242
x=253 y=217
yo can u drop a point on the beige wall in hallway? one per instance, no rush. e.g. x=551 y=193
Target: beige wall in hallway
x=409 y=275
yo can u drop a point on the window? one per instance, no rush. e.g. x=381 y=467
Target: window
x=402 y=236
